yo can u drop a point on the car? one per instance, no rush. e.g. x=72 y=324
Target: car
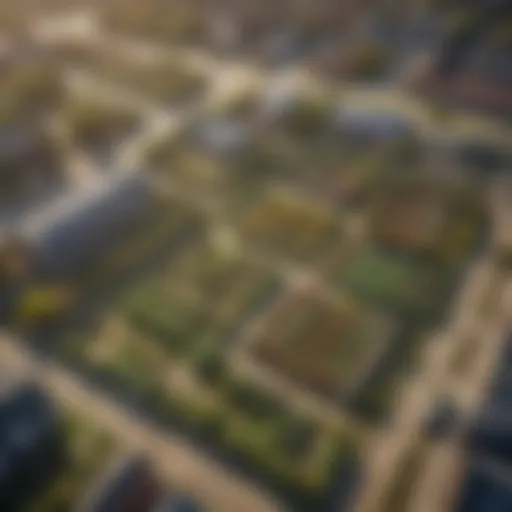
x=441 y=420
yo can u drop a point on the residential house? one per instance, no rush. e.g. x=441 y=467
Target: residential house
x=373 y=126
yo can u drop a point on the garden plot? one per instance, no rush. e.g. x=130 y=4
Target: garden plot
x=321 y=165
x=167 y=81
x=416 y=218
x=223 y=411
x=165 y=347
x=173 y=22
x=326 y=347
x=126 y=352
x=203 y=297
x=391 y=281
x=179 y=163
x=287 y=225
x=98 y=128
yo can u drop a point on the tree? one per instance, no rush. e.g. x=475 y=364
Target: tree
x=42 y=304
x=211 y=367
x=368 y=61
x=296 y=436
x=504 y=256
x=308 y=117
x=253 y=401
x=93 y=123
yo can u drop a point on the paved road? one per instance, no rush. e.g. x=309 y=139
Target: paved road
x=159 y=121
x=445 y=463
x=419 y=394
x=446 y=460
x=186 y=467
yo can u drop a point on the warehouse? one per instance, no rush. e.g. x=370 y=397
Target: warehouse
x=84 y=224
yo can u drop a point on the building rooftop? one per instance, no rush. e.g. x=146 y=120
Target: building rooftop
x=487 y=487
x=380 y=124
x=84 y=221
x=128 y=485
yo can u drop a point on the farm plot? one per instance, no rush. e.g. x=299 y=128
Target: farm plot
x=391 y=281
x=98 y=128
x=284 y=224
x=180 y=162
x=328 y=348
x=417 y=218
x=203 y=297
x=278 y=444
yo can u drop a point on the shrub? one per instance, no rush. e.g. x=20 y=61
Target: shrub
x=296 y=436
x=211 y=367
x=252 y=401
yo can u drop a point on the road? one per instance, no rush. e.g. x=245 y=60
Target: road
x=419 y=394
x=436 y=377
x=446 y=462
x=159 y=121
x=188 y=468
x=462 y=125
